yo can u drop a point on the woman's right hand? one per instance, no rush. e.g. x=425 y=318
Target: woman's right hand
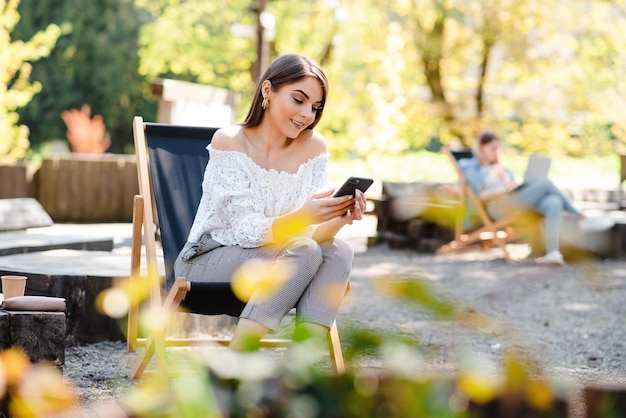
x=322 y=207
x=319 y=209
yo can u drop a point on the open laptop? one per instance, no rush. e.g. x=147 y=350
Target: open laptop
x=538 y=167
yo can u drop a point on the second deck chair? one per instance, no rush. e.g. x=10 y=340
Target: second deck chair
x=483 y=227
x=171 y=161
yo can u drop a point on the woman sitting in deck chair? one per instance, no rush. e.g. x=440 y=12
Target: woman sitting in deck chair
x=495 y=185
x=262 y=177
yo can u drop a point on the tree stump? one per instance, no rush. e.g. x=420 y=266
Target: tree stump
x=41 y=335
x=5 y=331
x=66 y=276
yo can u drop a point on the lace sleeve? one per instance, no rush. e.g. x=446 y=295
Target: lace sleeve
x=237 y=213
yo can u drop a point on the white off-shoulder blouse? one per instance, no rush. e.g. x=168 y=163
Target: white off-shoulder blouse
x=240 y=199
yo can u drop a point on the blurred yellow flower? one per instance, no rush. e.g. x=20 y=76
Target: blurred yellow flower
x=479 y=387
x=156 y=318
x=117 y=300
x=15 y=363
x=3 y=380
x=260 y=278
x=113 y=302
x=540 y=394
x=42 y=392
x=294 y=225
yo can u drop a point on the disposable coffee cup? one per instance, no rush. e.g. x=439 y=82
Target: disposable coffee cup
x=13 y=286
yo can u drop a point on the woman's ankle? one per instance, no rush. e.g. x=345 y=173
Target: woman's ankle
x=247 y=335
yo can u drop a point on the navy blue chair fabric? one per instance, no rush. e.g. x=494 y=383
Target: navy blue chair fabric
x=459 y=155
x=178 y=158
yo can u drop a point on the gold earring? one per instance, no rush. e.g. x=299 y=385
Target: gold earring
x=265 y=103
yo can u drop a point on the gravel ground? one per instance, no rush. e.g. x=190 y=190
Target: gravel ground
x=570 y=320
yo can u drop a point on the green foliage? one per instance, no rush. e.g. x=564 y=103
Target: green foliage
x=95 y=63
x=420 y=292
x=369 y=92
x=16 y=88
x=403 y=74
x=194 y=41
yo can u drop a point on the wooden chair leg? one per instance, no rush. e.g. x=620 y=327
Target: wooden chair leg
x=334 y=345
x=155 y=346
x=155 y=343
x=143 y=358
x=135 y=267
x=501 y=243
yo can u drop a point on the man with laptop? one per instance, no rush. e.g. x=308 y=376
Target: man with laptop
x=496 y=186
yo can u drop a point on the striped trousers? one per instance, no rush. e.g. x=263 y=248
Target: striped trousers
x=316 y=284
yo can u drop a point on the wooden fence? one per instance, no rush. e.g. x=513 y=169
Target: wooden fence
x=87 y=188
x=14 y=182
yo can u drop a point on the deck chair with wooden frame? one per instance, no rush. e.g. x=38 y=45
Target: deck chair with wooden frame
x=484 y=228
x=171 y=161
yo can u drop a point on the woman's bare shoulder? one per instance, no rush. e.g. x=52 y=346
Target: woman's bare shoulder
x=228 y=138
x=314 y=143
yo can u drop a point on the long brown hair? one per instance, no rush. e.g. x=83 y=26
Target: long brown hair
x=284 y=70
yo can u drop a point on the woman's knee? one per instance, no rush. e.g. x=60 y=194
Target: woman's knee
x=339 y=251
x=305 y=247
x=336 y=252
x=344 y=249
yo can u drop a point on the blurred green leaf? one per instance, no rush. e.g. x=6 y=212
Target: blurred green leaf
x=420 y=292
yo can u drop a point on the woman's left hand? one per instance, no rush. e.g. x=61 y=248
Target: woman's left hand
x=355 y=213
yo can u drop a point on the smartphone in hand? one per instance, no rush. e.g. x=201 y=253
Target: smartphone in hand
x=350 y=186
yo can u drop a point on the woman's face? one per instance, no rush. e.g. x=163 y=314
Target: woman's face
x=490 y=152
x=293 y=107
